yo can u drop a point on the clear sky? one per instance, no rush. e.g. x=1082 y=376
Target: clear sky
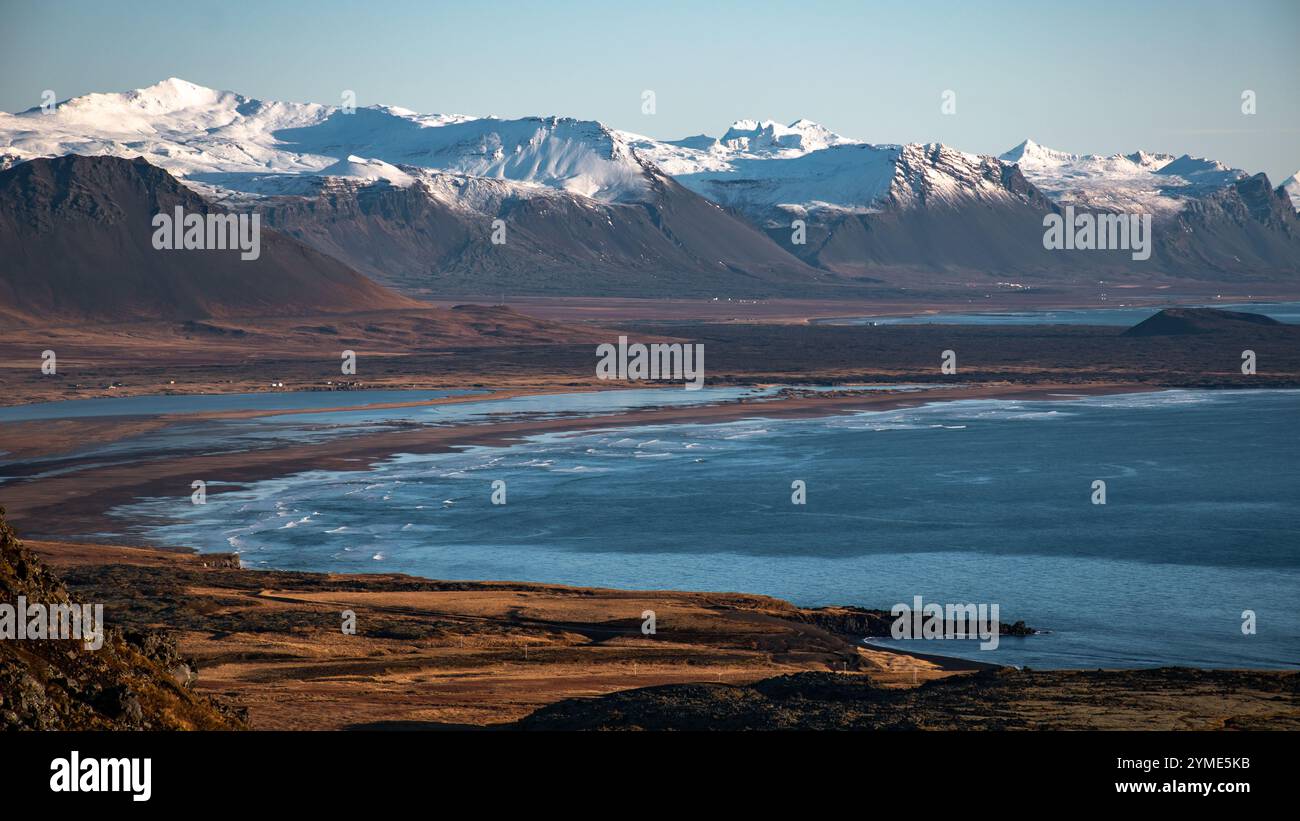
x=1096 y=77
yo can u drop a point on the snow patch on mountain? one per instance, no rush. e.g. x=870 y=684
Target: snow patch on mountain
x=744 y=140
x=1292 y=189
x=771 y=139
x=766 y=170
x=853 y=178
x=368 y=169
x=1141 y=181
x=935 y=174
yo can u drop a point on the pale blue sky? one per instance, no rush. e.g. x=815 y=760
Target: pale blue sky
x=1085 y=77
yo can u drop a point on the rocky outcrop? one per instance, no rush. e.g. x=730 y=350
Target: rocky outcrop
x=1188 y=321
x=866 y=623
x=137 y=680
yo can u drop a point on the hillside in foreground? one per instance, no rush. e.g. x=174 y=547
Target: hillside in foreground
x=471 y=654
x=136 y=681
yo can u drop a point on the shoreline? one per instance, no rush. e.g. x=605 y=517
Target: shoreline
x=792 y=310
x=433 y=654
x=446 y=653
x=170 y=473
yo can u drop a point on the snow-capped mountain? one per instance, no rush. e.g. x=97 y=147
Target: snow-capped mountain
x=226 y=140
x=860 y=203
x=768 y=171
x=774 y=173
x=1292 y=189
x=745 y=139
x=409 y=198
x=1159 y=184
x=770 y=138
x=770 y=188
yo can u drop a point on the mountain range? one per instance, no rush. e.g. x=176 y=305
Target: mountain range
x=410 y=200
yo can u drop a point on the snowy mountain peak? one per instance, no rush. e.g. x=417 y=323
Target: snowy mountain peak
x=1292 y=189
x=1187 y=165
x=367 y=169
x=1148 y=160
x=1142 y=180
x=221 y=140
x=176 y=93
x=768 y=137
x=1032 y=152
x=1024 y=147
x=170 y=95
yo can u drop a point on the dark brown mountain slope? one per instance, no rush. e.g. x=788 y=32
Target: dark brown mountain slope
x=676 y=244
x=76 y=240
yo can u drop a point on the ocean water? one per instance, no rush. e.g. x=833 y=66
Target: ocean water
x=1118 y=315
x=977 y=501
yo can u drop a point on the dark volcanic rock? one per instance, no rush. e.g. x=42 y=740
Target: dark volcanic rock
x=989 y=700
x=1182 y=321
x=862 y=622
x=136 y=681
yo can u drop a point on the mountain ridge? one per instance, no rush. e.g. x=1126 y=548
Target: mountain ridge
x=408 y=199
